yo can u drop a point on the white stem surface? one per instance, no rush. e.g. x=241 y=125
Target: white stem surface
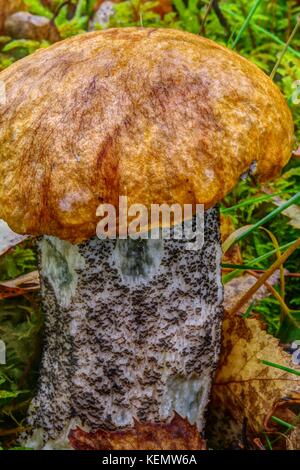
x=132 y=331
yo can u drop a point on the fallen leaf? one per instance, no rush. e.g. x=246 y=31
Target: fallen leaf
x=284 y=410
x=245 y=390
x=9 y=293
x=21 y=285
x=176 y=435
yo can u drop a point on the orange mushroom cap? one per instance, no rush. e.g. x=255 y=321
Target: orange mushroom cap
x=159 y=116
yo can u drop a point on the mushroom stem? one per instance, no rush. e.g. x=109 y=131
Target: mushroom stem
x=132 y=331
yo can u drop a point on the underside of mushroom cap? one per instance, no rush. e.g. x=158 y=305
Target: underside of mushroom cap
x=159 y=116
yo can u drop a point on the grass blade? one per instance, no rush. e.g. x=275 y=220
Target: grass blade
x=283 y=423
x=281 y=367
x=244 y=233
x=246 y=22
x=269 y=444
x=251 y=200
x=238 y=269
x=263 y=31
x=249 y=310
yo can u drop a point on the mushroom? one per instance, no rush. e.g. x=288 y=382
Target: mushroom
x=132 y=327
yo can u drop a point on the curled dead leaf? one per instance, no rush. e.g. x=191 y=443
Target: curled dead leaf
x=29 y=281
x=178 y=434
x=9 y=293
x=282 y=423
x=286 y=409
x=20 y=286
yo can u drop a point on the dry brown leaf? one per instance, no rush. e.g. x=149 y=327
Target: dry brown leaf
x=9 y=292
x=20 y=286
x=245 y=390
x=176 y=435
x=282 y=411
x=29 y=281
